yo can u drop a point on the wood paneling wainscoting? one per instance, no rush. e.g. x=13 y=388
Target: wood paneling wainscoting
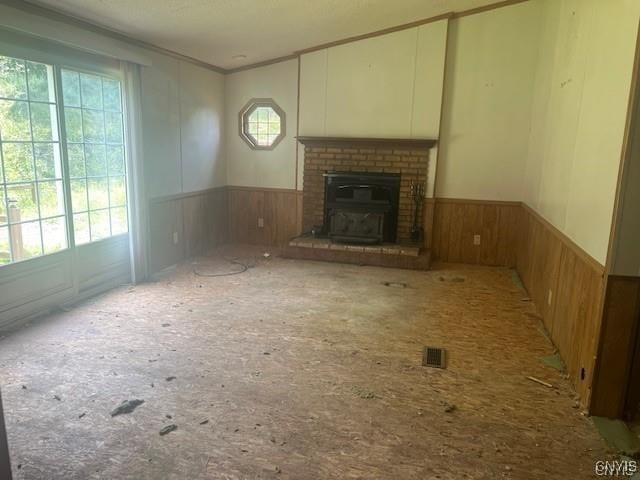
x=456 y=221
x=280 y=210
x=566 y=285
x=563 y=281
x=199 y=219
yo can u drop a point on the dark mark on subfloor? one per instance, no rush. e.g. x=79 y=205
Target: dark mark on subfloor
x=126 y=406
x=166 y=324
x=82 y=415
x=448 y=407
x=204 y=422
x=24 y=387
x=57 y=398
x=168 y=379
x=395 y=284
x=168 y=416
x=168 y=429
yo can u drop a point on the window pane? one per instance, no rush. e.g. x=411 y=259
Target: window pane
x=79 y=195
x=98 y=194
x=22 y=202
x=51 y=197
x=3 y=208
x=93 y=126
x=43 y=122
x=113 y=127
x=117 y=191
x=111 y=92
x=5 y=253
x=96 y=163
x=14 y=121
x=100 y=224
x=18 y=162
x=47 y=161
x=263 y=114
x=76 y=160
x=40 y=82
x=91 y=91
x=81 y=228
x=73 y=124
x=54 y=234
x=115 y=159
x=95 y=149
x=13 y=82
x=273 y=116
x=70 y=88
x=274 y=128
x=31 y=186
x=26 y=240
x=252 y=128
x=119 y=220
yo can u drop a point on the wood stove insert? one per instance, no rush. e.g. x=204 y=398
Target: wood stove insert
x=361 y=207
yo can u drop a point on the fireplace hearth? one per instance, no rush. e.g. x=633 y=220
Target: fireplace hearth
x=361 y=207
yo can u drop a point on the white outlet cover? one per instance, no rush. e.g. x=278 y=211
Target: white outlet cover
x=476 y=239
x=261 y=222
x=175 y=238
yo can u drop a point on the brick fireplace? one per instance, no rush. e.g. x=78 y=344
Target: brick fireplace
x=407 y=157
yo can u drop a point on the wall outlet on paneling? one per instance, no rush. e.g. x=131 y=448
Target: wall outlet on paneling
x=549 y=297
x=261 y=222
x=175 y=238
x=476 y=239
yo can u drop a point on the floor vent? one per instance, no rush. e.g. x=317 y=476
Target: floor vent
x=434 y=357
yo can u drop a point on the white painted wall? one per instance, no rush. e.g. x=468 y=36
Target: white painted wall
x=579 y=110
x=182 y=118
x=487 y=108
x=386 y=86
x=262 y=168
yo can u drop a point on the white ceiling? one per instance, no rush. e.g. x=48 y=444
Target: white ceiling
x=214 y=31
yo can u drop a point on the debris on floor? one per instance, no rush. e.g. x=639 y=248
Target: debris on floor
x=363 y=392
x=618 y=436
x=541 y=382
x=168 y=429
x=449 y=407
x=395 y=284
x=204 y=422
x=83 y=414
x=168 y=379
x=452 y=279
x=554 y=361
x=57 y=398
x=126 y=406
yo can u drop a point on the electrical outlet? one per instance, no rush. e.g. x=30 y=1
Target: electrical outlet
x=549 y=297
x=175 y=238
x=260 y=222
x=476 y=239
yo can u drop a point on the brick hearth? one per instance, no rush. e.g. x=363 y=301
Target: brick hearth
x=363 y=155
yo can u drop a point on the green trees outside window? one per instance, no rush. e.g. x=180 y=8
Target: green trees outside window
x=34 y=214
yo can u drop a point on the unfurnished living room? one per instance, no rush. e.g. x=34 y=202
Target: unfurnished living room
x=319 y=239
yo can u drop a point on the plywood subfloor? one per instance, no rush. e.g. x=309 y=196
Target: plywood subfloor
x=302 y=370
